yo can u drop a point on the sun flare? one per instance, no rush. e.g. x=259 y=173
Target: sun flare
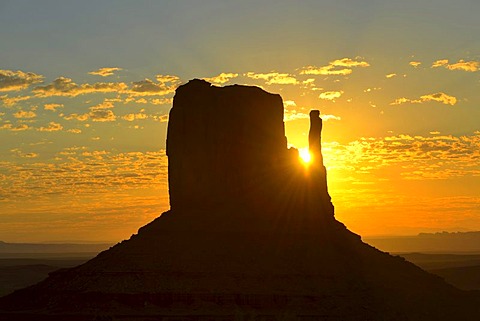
x=305 y=156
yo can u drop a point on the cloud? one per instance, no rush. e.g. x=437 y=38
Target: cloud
x=330 y=117
x=52 y=107
x=17 y=128
x=102 y=115
x=104 y=72
x=160 y=118
x=66 y=87
x=79 y=117
x=274 y=78
x=132 y=117
x=347 y=62
x=147 y=87
x=325 y=70
x=440 y=63
x=471 y=66
x=415 y=64
x=12 y=101
x=221 y=78
x=403 y=100
x=162 y=101
x=98 y=113
x=412 y=157
x=74 y=131
x=17 y=80
x=463 y=65
x=391 y=75
x=294 y=112
x=330 y=95
x=336 y=68
x=438 y=97
x=17 y=152
x=164 y=79
x=106 y=104
x=25 y=114
x=52 y=127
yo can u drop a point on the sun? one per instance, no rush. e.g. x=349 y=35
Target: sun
x=305 y=156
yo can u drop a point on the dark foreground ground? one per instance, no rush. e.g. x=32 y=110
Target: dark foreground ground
x=19 y=270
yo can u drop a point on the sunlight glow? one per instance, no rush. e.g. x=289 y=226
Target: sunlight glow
x=305 y=156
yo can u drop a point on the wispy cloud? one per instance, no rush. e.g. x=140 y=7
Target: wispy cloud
x=274 y=78
x=148 y=87
x=440 y=97
x=415 y=64
x=16 y=128
x=52 y=127
x=25 y=114
x=102 y=115
x=330 y=95
x=137 y=116
x=294 y=112
x=63 y=86
x=415 y=157
x=221 y=78
x=337 y=67
x=52 y=107
x=17 y=80
x=105 y=72
x=12 y=101
x=463 y=65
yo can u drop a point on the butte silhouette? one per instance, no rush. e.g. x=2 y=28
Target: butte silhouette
x=250 y=235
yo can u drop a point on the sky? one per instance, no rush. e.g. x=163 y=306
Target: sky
x=86 y=87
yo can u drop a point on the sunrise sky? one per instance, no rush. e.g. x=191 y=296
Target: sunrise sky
x=86 y=87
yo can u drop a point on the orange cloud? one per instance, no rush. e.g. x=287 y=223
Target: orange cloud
x=52 y=127
x=132 y=117
x=147 y=87
x=440 y=63
x=415 y=64
x=221 y=78
x=463 y=65
x=25 y=114
x=52 y=107
x=66 y=87
x=17 y=80
x=274 y=78
x=164 y=79
x=104 y=72
x=12 y=101
x=102 y=115
x=17 y=128
x=438 y=97
x=337 y=67
x=330 y=95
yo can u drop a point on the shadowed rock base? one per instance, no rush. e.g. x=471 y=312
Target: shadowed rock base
x=250 y=235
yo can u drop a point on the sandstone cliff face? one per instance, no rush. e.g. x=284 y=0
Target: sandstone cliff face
x=222 y=144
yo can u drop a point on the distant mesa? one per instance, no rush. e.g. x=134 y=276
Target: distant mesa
x=251 y=235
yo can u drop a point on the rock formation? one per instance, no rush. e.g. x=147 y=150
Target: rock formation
x=250 y=235
x=227 y=149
